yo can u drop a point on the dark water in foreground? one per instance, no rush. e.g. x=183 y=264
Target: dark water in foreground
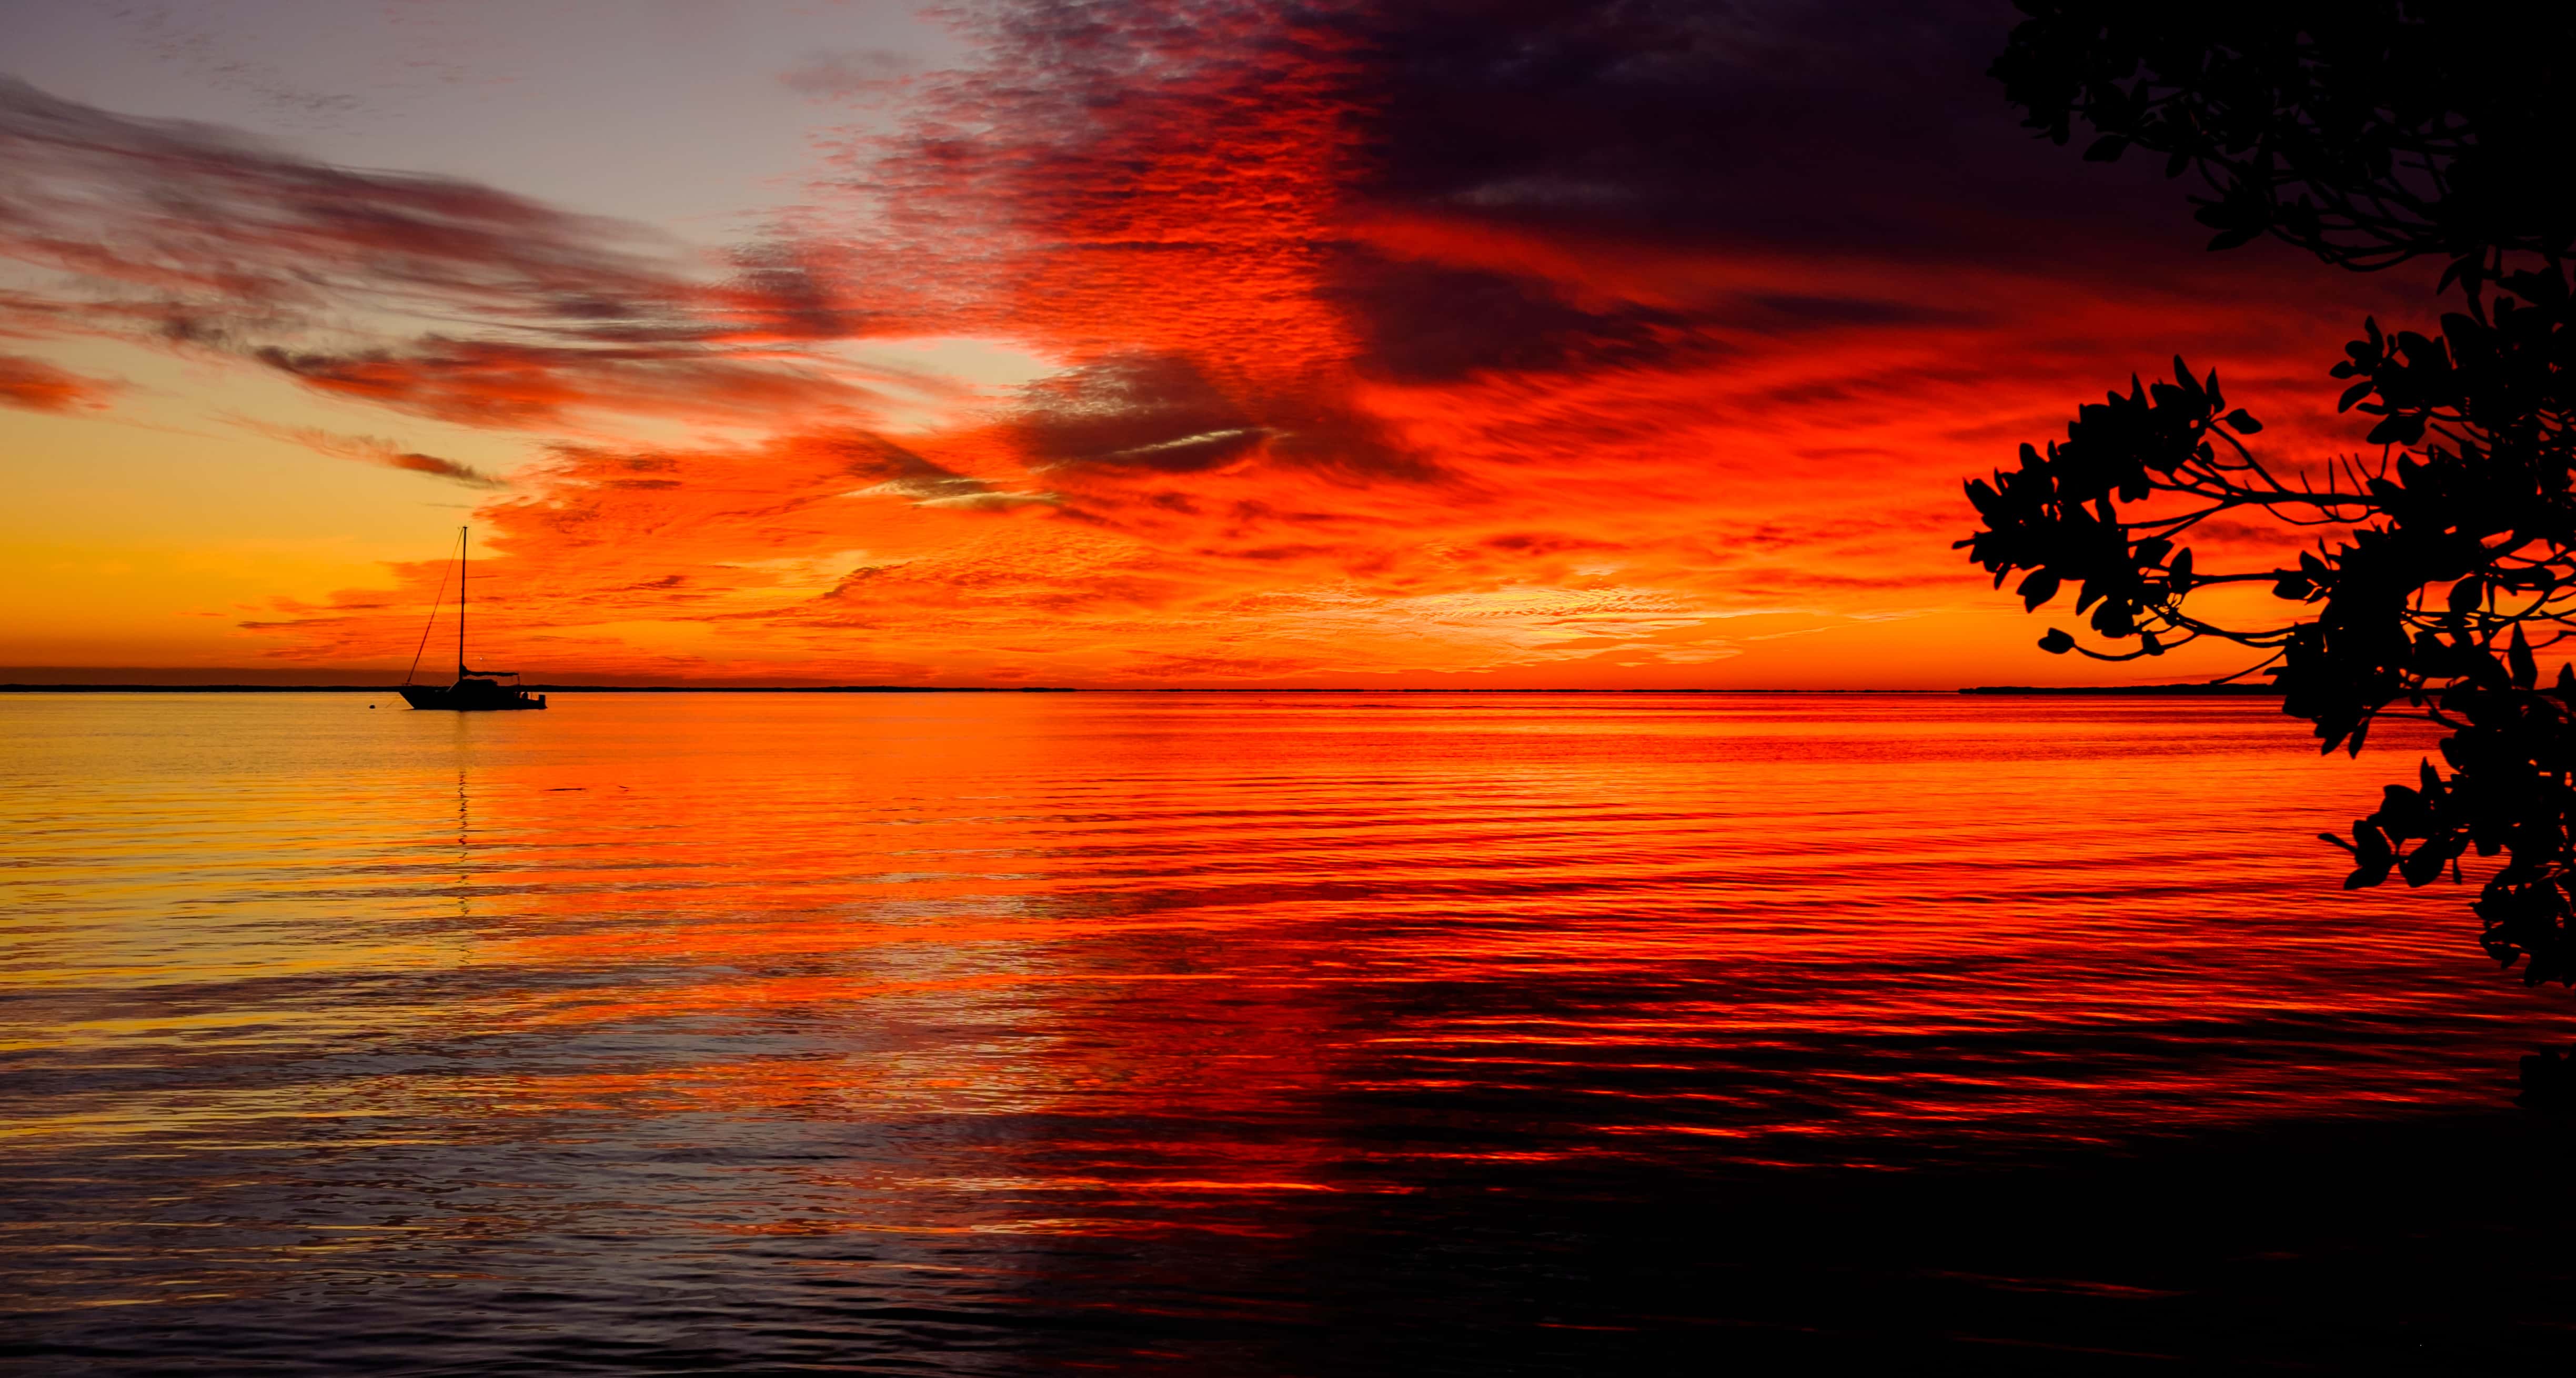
x=1239 y=1034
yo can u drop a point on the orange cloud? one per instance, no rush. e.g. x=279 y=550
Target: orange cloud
x=1475 y=343
x=39 y=386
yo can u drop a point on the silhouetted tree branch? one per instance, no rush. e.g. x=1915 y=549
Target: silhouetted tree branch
x=2368 y=134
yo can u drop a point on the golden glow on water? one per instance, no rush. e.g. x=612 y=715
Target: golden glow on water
x=362 y=996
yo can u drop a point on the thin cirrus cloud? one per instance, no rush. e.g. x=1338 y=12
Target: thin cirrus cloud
x=850 y=72
x=521 y=386
x=351 y=283
x=220 y=236
x=368 y=449
x=1445 y=342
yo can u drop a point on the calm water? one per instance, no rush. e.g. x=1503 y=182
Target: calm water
x=982 y=1034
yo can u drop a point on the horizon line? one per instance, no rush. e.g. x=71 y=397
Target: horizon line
x=2012 y=690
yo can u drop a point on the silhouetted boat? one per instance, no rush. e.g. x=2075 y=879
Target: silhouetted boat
x=474 y=690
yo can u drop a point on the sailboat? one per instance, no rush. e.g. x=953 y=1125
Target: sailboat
x=474 y=690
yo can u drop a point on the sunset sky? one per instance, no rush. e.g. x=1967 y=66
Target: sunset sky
x=1127 y=344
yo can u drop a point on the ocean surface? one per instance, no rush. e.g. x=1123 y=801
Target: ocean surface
x=1299 y=1033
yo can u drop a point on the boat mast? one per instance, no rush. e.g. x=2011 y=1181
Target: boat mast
x=461 y=544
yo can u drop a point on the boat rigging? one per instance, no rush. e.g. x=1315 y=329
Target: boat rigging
x=474 y=690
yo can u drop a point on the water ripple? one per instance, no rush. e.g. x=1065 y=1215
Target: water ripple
x=739 y=1031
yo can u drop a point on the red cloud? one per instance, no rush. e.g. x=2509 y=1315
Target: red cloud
x=39 y=386
x=481 y=382
x=192 y=236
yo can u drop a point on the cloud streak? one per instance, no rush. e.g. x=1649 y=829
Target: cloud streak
x=368 y=449
x=34 y=385
x=1481 y=342
x=354 y=283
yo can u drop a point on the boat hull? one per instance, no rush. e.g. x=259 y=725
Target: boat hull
x=470 y=696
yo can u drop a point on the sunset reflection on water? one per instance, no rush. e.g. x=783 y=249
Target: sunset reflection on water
x=795 y=1026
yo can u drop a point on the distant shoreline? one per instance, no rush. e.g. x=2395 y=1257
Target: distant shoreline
x=539 y=688
x=2014 y=690
x=2149 y=690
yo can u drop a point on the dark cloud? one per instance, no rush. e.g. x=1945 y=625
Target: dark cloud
x=788 y=292
x=368 y=449
x=202 y=237
x=413 y=461
x=1157 y=413
x=891 y=470
x=1814 y=127
x=1145 y=151
x=1544 y=543
x=491 y=383
x=1778 y=310
x=1161 y=414
x=1428 y=323
x=204 y=218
